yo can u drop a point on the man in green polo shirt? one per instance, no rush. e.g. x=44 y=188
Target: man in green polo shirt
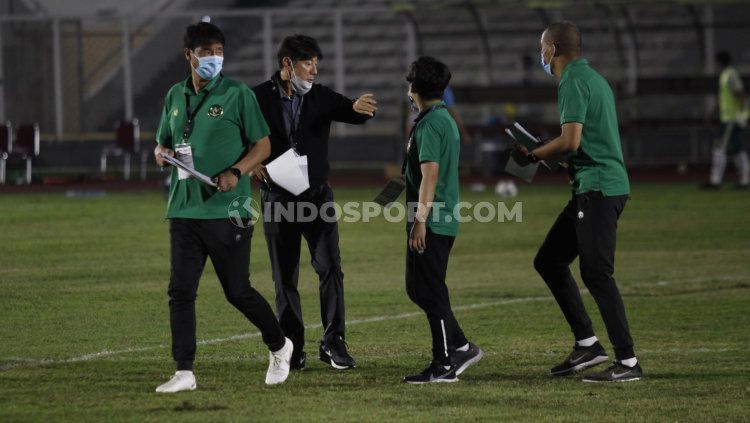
x=431 y=172
x=215 y=124
x=587 y=227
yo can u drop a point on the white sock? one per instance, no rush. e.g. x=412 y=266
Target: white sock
x=630 y=362
x=464 y=348
x=718 y=164
x=743 y=167
x=587 y=342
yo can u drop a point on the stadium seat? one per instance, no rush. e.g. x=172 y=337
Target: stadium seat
x=6 y=146
x=127 y=143
x=24 y=149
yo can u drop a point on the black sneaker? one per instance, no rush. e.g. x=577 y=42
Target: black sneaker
x=335 y=354
x=435 y=373
x=617 y=372
x=462 y=360
x=581 y=358
x=708 y=186
x=298 y=361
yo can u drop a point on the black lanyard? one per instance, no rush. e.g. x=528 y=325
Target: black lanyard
x=413 y=129
x=293 y=116
x=189 y=124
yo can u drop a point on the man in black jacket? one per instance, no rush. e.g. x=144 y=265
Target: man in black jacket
x=299 y=114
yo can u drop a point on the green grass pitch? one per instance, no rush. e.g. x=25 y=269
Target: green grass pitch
x=84 y=332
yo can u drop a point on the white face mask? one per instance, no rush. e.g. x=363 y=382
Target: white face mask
x=299 y=85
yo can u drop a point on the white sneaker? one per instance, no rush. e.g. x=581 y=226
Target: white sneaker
x=278 y=368
x=183 y=380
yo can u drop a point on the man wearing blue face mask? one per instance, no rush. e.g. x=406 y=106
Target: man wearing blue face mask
x=587 y=227
x=299 y=113
x=214 y=124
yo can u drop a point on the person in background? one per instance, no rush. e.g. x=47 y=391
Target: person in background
x=450 y=104
x=733 y=114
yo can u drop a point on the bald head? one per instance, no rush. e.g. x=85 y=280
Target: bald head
x=565 y=36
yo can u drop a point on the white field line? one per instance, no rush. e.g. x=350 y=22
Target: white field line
x=31 y=362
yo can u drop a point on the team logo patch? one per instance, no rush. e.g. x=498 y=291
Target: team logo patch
x=175 y=112
x=215 y=110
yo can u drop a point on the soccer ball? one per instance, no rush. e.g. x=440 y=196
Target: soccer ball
x=506 y=189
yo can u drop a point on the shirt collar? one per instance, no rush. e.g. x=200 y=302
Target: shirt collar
x=424 y=112
x=574 y=64
x=188 y=88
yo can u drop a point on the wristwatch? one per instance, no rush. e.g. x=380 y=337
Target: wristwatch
x=236 y=172
x=531 y=157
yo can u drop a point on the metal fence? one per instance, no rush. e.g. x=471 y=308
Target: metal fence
x=77 y=75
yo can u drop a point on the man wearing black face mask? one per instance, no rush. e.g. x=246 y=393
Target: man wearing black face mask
x=299 y=113
x=587 y=227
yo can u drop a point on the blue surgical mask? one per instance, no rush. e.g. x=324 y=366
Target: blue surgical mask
x=546 y=66
x=208 y=67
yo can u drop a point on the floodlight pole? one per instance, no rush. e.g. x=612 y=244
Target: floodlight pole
x=57 y=75
x=338 y=47
x=2 y=78
x=126 y=69
x=267 y=45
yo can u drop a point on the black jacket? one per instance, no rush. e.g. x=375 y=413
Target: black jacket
x=321 y=106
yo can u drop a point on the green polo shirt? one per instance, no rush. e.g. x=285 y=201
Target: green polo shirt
x=435 y=139
x=225 y=126
x=584 y=96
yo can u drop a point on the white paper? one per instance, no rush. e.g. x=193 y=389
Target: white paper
x=189 y=169
x=524 y=172
x=289 y=171
x=184 y=154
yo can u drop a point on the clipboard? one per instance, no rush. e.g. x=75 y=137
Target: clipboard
x=391 y=191
x=197 y=175
x=524 y=137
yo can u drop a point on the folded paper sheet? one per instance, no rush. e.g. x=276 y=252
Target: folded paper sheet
x=289 y=171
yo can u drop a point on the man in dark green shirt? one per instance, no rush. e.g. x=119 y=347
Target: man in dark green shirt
x=587 y=227
x=431 y=173
x=214 y=124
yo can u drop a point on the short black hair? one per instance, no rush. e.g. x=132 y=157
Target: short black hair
x=299 y=47
x=428 y=77
x=201 y=34
x=566 y=37
x=723 y=58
